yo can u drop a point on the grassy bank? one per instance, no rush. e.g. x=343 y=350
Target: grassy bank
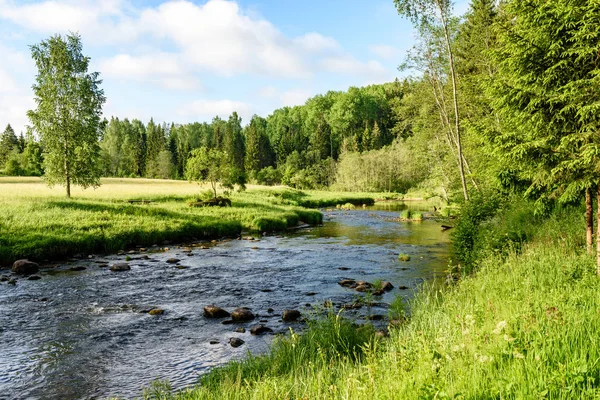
x=525 y=325
x=37 y=222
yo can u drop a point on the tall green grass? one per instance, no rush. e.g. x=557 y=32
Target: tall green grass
x=38 y=223
x=524 y=326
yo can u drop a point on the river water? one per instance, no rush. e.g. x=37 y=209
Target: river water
x=87 y=334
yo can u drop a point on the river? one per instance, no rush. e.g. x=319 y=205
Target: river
x=87 y=334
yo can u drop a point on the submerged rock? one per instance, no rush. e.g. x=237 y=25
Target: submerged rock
x=236 y=342
x=260 y=329
x=240 y=330
x=34 y=278
x=173 y=260
x=77 y=268
x=212 y=311
x=25 y=267
x=242 y=315
x=349 y=283
x=156 y=311
x=290 y=315
x=120 y=267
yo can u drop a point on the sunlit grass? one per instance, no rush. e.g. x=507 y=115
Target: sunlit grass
x=526 y=326
x=39 y=223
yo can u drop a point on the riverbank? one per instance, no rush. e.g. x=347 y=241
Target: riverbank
x=523 y=326
x=38 y=223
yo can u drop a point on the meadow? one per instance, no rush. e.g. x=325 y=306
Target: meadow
x=524 y=326
x=37 y=222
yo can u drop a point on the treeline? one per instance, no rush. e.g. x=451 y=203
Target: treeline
x=504 y=98
x=297 y=146
x=20 y=156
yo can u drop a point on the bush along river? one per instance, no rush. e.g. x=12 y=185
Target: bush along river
x=84 y=331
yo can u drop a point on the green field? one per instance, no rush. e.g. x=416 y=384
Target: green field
x=37 y=222
x=525 y=326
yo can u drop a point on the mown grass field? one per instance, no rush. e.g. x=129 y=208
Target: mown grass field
x=525 y=326
x=37 y=222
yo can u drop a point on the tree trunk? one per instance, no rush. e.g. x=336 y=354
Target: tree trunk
x=589 y=221
x=598 y=236
x=67 y=172
x=463 y=181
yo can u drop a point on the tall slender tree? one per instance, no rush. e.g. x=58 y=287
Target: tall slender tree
x=69 y=107
x=432 y=15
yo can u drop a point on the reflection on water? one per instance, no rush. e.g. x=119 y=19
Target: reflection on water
x=87 y=334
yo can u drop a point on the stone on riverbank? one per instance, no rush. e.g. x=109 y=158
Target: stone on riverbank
x=25 y=267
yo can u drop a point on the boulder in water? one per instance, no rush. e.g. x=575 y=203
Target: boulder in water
x=349 y=283
x=173 y=260
x=34 y=278
x=260 y=329
x=120 y=267
x=212 y=311
x=387 y=286
x=290 y=315
x=236 y=342
x=25 y=267
x=242 y=315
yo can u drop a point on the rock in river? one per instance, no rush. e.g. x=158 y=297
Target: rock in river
x=34 y=278
x=347 y=283
x=25 y=267
x=242 y=315
x=290 y=315
x=173 y=260
x=236 y=342
x=120 y=267
x=259 y=329
x=156 y=311
x=212 y=311
x=387 y=286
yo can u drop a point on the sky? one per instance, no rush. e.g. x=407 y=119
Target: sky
x=190 y=60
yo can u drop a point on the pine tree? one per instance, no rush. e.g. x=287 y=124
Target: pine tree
x=8 y=144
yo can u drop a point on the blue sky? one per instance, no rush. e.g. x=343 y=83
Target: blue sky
x=185 y=61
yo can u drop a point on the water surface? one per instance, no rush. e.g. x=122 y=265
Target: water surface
x=86 y=335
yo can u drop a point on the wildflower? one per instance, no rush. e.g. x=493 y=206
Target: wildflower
x=508 y=338
x=500 y=327
x=518 y=355
x=469 y=320
x=484 y=358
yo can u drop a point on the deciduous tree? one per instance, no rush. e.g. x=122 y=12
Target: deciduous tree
x=69 y=106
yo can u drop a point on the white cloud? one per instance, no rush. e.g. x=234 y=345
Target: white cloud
x=316 y=42
x=383 y=51
x=100 y=21
x=206 y=109
x=217 y=36
x=163 y=69
x=295 y=97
